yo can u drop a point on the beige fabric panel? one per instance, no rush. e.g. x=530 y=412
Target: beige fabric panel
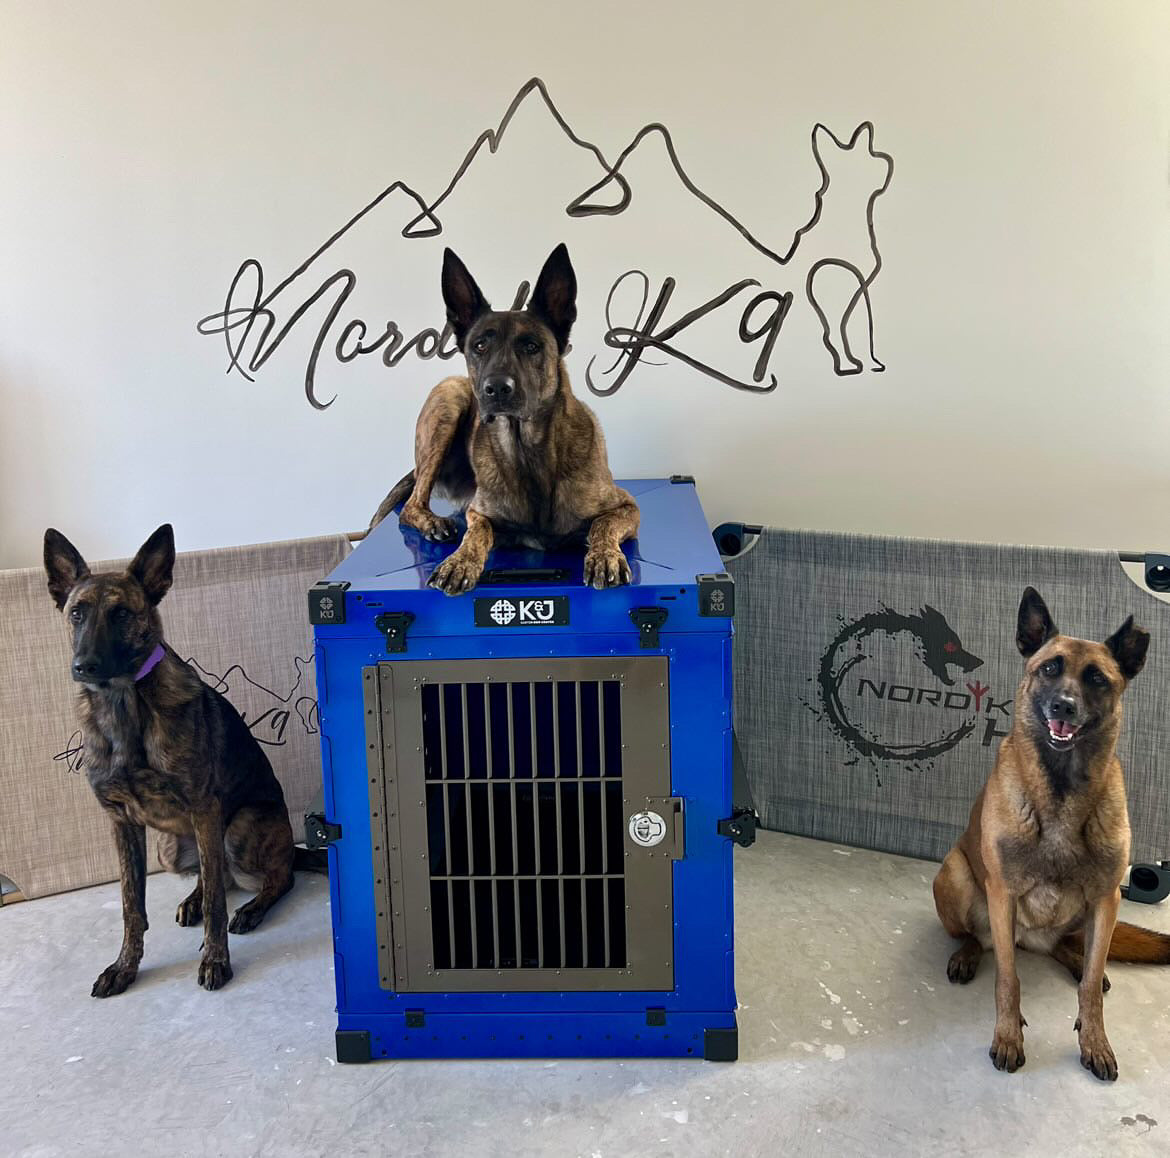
x=238 y=614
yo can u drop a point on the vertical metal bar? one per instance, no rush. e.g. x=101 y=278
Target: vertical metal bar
x=468 y=826
x=516 y=919
x=448 y=858
x=584 y=921
x=536 y=884
x=560 y=828
x=605 y=917
x=533 y=769
x=512 y=785
x=449 y=869
x=580 y=785
x=448 y=865
x=495 y=911
x=604 y=786
x=535 y=753
x=487 y=734
x=491 y=791
x=556 y=727
x=561 y=915
x=451 y=919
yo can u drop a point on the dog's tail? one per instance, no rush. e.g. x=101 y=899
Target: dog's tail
x=1133 y=943
x=400 y=492
x=177 y=854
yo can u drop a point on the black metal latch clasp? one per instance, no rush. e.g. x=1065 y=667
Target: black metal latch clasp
x=319 y=832
x=740 y=826
x=648 y=620
x=393 y=625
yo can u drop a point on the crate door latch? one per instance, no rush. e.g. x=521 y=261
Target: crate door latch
x=659 y=827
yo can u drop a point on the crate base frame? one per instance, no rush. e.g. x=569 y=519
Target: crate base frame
x=713 y=1036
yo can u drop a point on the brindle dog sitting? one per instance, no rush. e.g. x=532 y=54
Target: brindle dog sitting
x=510 y=443
x=165 y=750
x=1048 y=842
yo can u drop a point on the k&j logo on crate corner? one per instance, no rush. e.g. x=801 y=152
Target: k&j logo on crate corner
x=888 y=686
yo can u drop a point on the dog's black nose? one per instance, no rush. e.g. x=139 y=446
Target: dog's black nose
x=499 y=387
x=1062 y=708
x=84 y=668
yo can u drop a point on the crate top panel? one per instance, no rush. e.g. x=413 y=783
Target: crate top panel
x=672 y=547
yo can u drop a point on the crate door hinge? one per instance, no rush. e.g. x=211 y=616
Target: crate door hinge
x=319 y=832
x=393 y=625
x=648 y=620
x=740 y=826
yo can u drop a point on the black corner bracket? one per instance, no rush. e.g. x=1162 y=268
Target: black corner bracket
x=721 y=1045
x=1148 y=883
x=353 y=1046
x=327 y=603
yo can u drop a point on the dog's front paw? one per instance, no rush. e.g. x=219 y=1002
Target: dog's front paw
x=606 y=567
x=431 y=526
x=190 y=911
x=963 y=965
x=1007 y=1050
x=214 y=973
x=114 y=979
x=456 y=575
x=1097 y=1054
x=246 y=917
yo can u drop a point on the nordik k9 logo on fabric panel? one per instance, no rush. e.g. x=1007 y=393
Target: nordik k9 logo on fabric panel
x=899 y=687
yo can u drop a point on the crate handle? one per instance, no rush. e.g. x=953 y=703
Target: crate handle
x=524 y=575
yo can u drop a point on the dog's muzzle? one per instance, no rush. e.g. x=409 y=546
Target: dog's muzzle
x=1061 y=718
x=497 y=397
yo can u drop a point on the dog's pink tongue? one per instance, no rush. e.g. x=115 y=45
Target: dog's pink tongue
x=1061 y=728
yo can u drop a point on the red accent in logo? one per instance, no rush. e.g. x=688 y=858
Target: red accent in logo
x=978 y=690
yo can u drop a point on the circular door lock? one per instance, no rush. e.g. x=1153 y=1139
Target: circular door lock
x=647 y=829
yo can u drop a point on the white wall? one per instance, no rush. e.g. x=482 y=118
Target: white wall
x=1022 y=309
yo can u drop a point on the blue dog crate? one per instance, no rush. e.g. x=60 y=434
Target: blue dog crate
x=528 y=798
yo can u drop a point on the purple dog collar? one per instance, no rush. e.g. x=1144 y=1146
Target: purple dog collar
x=153 y=660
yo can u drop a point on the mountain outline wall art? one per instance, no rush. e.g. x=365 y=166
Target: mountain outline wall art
x=724 y=325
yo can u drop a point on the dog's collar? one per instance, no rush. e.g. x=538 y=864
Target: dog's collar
x=152 y=661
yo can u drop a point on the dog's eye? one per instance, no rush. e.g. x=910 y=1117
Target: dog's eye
x=1095 y=678
x=531 y=347
x=121 y=614
x=77 y=614
x=1051 y=669
x=480 y=345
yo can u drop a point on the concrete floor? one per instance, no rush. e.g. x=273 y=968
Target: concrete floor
x=852 y=1043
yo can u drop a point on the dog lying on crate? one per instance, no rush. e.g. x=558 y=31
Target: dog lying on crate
x=162 y=749
x=510 y=444
x=1042 y=859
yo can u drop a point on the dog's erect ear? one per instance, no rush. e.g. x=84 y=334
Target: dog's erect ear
x=1034 y=626
x=154 y=563
x=1129 y=645
x=554 y=300
x=64 y=566
x=461 y=295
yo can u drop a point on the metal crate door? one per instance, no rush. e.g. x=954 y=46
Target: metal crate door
x=523 y=830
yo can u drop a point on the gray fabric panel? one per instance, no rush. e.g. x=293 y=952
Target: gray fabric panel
x=895 y=759
x=237 y=614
